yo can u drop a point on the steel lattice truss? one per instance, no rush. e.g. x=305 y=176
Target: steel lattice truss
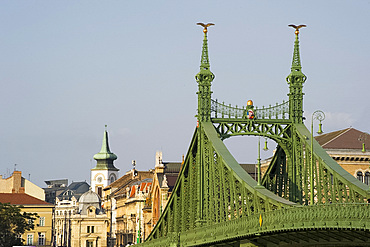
x=305 y=197
x=216 y=201
x=276 y=130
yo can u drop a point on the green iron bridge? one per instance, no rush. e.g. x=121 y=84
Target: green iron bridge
x=304 y=198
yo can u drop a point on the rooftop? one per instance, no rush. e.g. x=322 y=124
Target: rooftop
x=349 y=138
x=21 y=199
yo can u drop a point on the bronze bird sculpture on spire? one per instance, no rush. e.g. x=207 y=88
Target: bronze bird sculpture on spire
x=297 y=27
x=205 y=26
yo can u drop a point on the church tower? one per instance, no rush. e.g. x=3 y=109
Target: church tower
x=104 y=173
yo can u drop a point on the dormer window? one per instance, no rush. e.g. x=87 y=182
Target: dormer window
x=91 y=211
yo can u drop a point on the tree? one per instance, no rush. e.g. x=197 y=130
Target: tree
x=13 y=223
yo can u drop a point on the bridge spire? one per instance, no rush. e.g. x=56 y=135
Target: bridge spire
x=295 y=80
x=204 y=79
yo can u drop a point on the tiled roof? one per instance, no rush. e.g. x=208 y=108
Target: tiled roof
x=119 y=182
x=172 y=167
x=126 y=179
x=75 y=189
x=133 y=189
x=344 y=139
x=144 y=187
x=21 y=199
x=250 y=168
x=171 y=180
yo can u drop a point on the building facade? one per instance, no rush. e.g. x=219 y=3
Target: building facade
x=41 y=235
x=54 y=189
x=82 y=222
x=18 y=184
x=125 y=200
x=164 y=180
x=350 y=148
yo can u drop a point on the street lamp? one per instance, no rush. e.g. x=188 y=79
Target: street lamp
x=259 y=186
x=318 y=115
x=259 y=162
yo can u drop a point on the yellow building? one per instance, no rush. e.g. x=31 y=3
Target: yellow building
x=350 y=148
x=41 y=235
x=164 y=179
x=16 y=184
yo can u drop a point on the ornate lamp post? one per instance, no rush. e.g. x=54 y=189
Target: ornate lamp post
x=259 y=163
x=318 y=115
x=259 y=186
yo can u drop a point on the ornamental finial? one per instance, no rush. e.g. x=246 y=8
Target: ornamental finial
x=295 y=80
x=296 y=63
x=205 y=26
x=204 y=79
x=297 y=27
x=204 y=63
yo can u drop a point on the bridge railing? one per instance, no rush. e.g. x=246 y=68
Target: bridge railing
x=221 y=110
x=323 y=216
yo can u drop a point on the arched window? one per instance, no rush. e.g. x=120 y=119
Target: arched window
x=360 y=176
x=112 y=178
x=367 y=178
x=100 y=191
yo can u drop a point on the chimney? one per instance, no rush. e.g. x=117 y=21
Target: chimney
x=17 y=182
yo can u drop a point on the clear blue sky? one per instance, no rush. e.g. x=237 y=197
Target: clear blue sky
x=67 y=68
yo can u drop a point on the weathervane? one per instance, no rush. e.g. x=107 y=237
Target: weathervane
x=297 y=27
x=205 y=26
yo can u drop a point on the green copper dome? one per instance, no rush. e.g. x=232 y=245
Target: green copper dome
x=105 y=157
x=105 y=153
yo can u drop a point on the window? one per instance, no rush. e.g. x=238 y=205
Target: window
x=100 y=191
x=42 y=221
x=89 y=243
x=41 y=238
x=91 y=211
x=367 y=178
x=90 y=229
x=359 y=176
x=112 y=178
x=29 y=239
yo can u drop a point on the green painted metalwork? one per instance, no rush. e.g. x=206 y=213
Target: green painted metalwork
x=204 y=79
x=215 y=202
x=220 y=110
x=295 y=80
x=105 y=157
